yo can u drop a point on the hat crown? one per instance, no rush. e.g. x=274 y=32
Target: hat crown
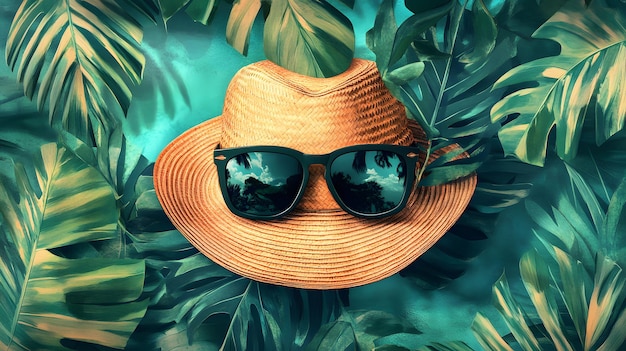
x=266 y=104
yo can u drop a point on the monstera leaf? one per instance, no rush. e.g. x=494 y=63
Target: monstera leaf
x=585 y=81
x=261 y=316
x=447 y=83
x=365 y=330
x=81 y=58
x=450 y=96
x=50 y=301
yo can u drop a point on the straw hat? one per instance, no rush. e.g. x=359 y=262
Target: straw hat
x=317 y=246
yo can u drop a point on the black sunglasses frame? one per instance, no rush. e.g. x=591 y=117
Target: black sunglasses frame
x=409 y=154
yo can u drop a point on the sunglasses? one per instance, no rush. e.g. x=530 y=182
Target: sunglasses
x=267 y=182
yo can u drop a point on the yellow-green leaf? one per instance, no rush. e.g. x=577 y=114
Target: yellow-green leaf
x=309 y=37
x=585 y=80
x=240 y=22
x=74 y=55
x=45 y=297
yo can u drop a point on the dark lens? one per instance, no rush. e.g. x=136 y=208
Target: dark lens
x=369 y=182
x=263 y=183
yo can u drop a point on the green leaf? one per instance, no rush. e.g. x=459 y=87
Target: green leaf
x=390 y=42
x=46 y=297
x=338 y=335
x=487 y=335
x=169 y=8
x=405 y=73
x=202 y=10
x=536 y=278
x=240 y=21
x=514 y=316
x=574 y=288
x=584 y=81
x=380 y=38
x=419 y=6
x=413 y=27
x=606 y=301
x=570 y=219
x=485 y=34
x=74 y=56
x=614 y=225
x=308 y=37
x=363 y=330
x=261 y=316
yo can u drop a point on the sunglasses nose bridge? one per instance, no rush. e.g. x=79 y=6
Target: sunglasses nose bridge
x=316 y=195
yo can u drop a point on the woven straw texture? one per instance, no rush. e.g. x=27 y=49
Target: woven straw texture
x=318 y=246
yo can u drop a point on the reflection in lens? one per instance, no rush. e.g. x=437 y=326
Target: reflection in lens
x=369 y=182
x=265 y=184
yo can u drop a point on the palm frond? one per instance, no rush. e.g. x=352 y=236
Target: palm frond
x=47 y=296
x=579 y=223
x=575 y=310
x=573 y=277
x=584 y=81
x=77 y=57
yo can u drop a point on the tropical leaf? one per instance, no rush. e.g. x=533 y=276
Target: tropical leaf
x=308 y=37
x=240 y=21
x=451 y=93
x=572 y=277
x=48 y=298
x=264 y=317
x=364 y=330
x=78 y=57
x=584 y=81
x=578 y=223
x=574 y=311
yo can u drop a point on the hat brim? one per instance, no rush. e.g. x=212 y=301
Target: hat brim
x=306 y=249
